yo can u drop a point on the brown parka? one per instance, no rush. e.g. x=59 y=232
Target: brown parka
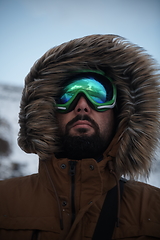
x=32 y=206
x=44 y=205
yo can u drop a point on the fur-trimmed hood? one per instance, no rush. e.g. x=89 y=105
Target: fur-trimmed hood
x=135 y=75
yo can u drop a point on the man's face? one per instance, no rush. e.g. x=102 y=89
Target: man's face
x=85 y=123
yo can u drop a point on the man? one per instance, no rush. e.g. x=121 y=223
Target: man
x=90 y=110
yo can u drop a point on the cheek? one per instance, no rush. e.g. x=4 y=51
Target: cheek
x=106 y=122
x=62 y=120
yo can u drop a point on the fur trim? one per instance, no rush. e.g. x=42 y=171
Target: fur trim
x=134 y=73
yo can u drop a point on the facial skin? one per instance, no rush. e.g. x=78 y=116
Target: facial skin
x=83 y=121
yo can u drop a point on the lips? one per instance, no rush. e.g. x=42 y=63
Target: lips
x=83 y=123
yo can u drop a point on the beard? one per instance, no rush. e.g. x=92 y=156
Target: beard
x=79 y=147
x=82 y=146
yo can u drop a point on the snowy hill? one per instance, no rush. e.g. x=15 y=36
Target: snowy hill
x=13 y=161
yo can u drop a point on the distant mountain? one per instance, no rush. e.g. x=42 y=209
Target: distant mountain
x=13 y=161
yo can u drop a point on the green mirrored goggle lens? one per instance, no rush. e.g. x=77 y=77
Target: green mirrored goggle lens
x=102 y=96
x=95 y=90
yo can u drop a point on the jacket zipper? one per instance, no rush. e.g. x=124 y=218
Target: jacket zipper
x=72 y=174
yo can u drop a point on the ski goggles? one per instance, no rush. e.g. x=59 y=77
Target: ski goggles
x=99 y=91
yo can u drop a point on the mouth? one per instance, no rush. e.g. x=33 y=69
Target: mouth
x=82 y=124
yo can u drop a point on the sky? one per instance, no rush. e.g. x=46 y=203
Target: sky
x=29 y=28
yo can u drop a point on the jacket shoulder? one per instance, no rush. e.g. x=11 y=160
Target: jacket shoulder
x=142 y=190
x=140 y=210
x=9 y=186
x=142 y=198
x=26 y=204
x=17 y=190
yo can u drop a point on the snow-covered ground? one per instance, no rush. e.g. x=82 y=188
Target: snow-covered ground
x=17 y=162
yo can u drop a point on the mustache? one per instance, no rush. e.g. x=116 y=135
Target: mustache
x=82 y=117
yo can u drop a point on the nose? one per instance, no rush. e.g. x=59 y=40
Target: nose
x=82 y=106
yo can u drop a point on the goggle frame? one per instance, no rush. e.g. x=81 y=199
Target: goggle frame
x=100 y=107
